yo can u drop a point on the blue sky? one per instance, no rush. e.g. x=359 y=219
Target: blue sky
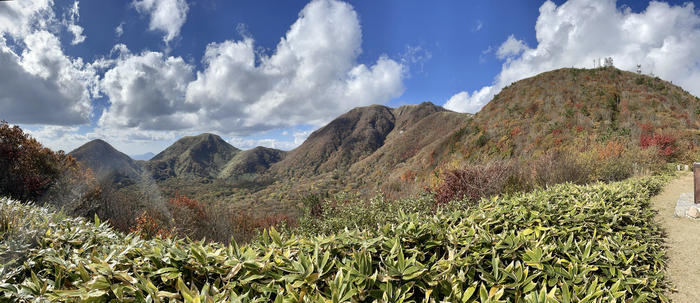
x=142 y=73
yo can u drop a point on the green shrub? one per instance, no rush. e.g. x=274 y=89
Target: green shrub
x=595 y=243
x=341 y=211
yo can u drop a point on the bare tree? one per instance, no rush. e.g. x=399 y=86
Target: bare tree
x=608 y=62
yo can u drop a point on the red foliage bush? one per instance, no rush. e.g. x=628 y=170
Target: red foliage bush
x=28 y=169
x=646 y=127
x=666 y=143
x=556 y=132
x=515 y=131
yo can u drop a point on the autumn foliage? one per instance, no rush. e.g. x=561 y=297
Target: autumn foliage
x=666 y=143
x=32 y=172
x=149 y=226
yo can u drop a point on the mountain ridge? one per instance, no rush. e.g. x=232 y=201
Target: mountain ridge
x=400 y=151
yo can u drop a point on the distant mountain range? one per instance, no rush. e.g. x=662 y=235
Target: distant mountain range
x=143 y=157
x=380 y=148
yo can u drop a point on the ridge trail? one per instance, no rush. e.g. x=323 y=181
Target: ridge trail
x=682 y=239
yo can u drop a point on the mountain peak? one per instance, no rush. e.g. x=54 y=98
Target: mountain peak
x=106 y=161
x=200 y=156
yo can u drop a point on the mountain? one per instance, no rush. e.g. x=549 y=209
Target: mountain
x=602 y=124
x=594 y=113
x=343 y=141
x=582 y=109
x=107 y=163
x=351 y=137
x=604 y=115
x=601 y=114
x=201 y=156
x=409 y=149
x=143 y=157
x=251 y=162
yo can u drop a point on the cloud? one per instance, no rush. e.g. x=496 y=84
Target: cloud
x=243 y=143
x=129 y=141
x=119 y=30
x=58 y=137
x=511 y=47
x=246 y=143
x=311 y=77
x=300 y=137
x=663 y=39
x=19 y=18
x=39 y=83
x=147 y=91
x=167 y=16
x=71 y=24
x=477 y=27
x=470 y=103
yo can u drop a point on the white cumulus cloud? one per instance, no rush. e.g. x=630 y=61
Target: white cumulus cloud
x=311 y=77
x=470 y=103
x=511 y=47
x=39 y=83
x=19 y=18
x=664 y=39
x=147 y=91
x=166 y=16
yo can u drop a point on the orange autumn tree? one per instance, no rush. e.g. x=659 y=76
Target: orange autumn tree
x=32 y=172
x=188 y=215
x=149 y=226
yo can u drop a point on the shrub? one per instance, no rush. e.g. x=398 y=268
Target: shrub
x=482 y=140
x=149 y=226
x=31 y=172
x=28 y=169
x=666 y=143
x=351 y=211
x=595 y=243
x=313 y=204
x=188 y=215
x=558 y=167
x=474 y=182
x=244 y=226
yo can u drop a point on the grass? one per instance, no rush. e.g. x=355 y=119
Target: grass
x=567 y=243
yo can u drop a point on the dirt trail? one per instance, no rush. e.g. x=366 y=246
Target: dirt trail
x=683 y=241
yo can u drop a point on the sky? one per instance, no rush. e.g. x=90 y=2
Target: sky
x=141 y=74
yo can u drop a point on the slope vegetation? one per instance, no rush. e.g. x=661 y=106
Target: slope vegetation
x=107 y=163
x=251 y=162
x=201 y=156
x=595 y=243
x=580 y=108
